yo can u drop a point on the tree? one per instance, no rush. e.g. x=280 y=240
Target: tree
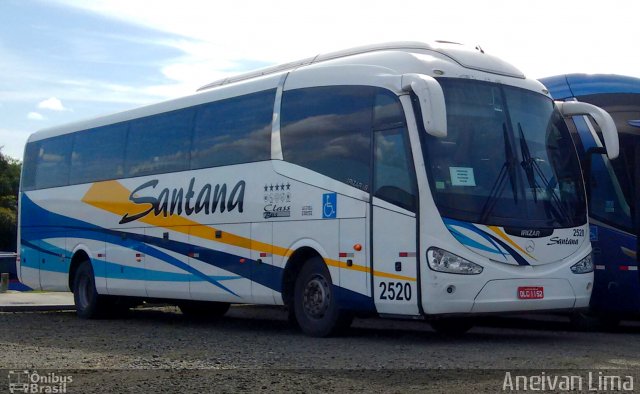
x=9 y=186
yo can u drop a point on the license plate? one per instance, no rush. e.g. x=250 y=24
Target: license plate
x=531 y=292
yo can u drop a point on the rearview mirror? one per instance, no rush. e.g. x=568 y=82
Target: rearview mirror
x=602 y=118
x=431 y=100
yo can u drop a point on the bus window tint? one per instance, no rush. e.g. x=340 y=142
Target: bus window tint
x=31 y=151
x=233 y=131
x=98 y=154
x=393 y=175
x=159 y=143
x=393 y=178
x=328 y=130
x=52 y=169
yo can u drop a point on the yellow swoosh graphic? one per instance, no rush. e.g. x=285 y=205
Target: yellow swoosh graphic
x=628 y=252
x=504 y=236
x=112 y=197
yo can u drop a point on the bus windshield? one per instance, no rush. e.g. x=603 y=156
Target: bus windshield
x=508 y=159
x=613 y=183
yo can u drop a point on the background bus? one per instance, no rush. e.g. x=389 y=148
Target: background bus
x=613 y=186
x=409 y=180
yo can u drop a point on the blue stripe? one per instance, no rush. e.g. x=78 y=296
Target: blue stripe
x=38 y=224
x=470 y=242
x=49 y=225
x=489 y=237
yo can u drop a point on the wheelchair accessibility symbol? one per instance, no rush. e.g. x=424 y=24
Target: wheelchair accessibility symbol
x=329 y=205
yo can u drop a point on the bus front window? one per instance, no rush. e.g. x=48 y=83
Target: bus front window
x=508 y=159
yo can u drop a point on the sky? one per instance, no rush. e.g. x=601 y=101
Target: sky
x=68 y=60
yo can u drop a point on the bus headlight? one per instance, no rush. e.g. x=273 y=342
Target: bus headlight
x=583 y=266
x=443 y=261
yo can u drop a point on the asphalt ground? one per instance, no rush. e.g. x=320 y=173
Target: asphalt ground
x=255 y=349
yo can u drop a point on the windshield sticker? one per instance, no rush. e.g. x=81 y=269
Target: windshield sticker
x=609 y=207
x=462 y=176
x=440 y=185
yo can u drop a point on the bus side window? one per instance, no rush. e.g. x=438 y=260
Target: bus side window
x=98 y=154
x=31 y=151
x=52 y=168
x=393 y=171
x=328 y=130
x=233 y=131
x=393 y=175
x=159 y=143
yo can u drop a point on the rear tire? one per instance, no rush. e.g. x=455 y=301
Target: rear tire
x=315 y=304
x=203 y=309
x=89 y=304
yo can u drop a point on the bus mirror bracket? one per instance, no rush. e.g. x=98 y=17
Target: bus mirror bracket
x=602 y=117
x=431 y=100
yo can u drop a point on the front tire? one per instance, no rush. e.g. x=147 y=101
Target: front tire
x=315 y=304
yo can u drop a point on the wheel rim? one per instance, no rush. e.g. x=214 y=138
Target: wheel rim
x=317 y=297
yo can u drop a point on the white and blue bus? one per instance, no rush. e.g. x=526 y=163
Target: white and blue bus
x=406 y=180
x=614 y=190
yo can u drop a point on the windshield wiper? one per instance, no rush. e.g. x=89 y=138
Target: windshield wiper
x=532 y=168
x=508 y=168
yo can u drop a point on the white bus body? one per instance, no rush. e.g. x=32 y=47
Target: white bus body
x=348 y=169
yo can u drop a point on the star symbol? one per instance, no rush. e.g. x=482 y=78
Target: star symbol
x=277 y=187
x=266 y=188
x=282 y=186
x=271 y=188
x=288 y=186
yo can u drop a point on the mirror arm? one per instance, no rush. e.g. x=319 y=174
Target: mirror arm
x=602 y=118
x=431 y=99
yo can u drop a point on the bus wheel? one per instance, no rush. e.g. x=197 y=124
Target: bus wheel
x=85 y=296
x=203 y=309
x=315 y=305
x=451 y=326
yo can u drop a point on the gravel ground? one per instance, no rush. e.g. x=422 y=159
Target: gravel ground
x=253 y=349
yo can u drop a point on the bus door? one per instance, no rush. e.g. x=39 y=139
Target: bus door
x=394 y=224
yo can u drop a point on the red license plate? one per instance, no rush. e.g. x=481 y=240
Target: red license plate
x=531 y=292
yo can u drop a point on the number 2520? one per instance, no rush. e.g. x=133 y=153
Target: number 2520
x=395 y=291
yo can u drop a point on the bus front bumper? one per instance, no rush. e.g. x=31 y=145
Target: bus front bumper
x=505 y=295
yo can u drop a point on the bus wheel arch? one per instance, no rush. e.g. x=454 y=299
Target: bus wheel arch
x=79 y=257
x=291 y=271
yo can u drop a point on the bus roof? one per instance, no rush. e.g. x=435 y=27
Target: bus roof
x=575 y=85
x=455 y=51
x=395 y=57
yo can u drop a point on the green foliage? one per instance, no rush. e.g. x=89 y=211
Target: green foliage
x=9 y=186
